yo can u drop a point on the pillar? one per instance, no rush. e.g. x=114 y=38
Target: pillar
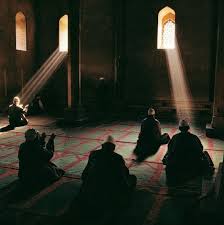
x=74 y=111
x=218 y=105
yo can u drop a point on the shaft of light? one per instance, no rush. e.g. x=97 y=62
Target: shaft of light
x=180 y=91
x=40 y=78
x=29 y=85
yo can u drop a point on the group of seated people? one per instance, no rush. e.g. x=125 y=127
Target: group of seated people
x=106 y=178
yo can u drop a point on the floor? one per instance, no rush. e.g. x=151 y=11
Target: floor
x=153 y=202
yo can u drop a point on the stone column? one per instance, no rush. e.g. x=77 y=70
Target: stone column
x=218 y=105
x=119 y=7
x=74 y=112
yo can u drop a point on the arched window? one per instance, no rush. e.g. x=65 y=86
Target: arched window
x=63 y=34
x=20 y=32
x=166 y=29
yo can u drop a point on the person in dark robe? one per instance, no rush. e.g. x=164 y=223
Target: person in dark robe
x=150 y=137
x=185 y=158
x=16 y=114
x=102 y=98
x=36 y=106
x=106 y=182
x=35 y=167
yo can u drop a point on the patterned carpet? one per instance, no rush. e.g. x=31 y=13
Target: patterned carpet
x=152 y=202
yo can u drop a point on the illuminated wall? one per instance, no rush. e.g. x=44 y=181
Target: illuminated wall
x=17 y=46
x=63 y=34
x=20 y=22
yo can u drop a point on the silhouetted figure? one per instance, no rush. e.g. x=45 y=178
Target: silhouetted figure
x=185 y=158
x=102 y=97
x=150 y=137
x=16 y=115
x=107 y=183
x=36 y=106
x=35 y=167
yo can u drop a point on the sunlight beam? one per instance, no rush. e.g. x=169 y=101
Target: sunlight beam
x=180 y=91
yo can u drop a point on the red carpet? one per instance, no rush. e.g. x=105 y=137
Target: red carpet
x=73 y=146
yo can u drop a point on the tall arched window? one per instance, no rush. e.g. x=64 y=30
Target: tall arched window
x=166 y=29
x=20 y=32
x=63 y=34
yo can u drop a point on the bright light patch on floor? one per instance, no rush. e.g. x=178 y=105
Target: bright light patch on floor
x=63 y=34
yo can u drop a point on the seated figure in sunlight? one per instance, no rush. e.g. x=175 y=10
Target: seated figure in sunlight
x=185 y=158
x=150 y=137
x=16 y=114
x=106 y=182
x=35 y=167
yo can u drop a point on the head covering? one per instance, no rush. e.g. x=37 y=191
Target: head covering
x=31 y=134
x=16 y=100
x=151 y=112
x=109 y=144
x=183 y=124
x=109 y=139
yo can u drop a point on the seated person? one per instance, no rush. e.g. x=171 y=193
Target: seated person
x=185 y=158
x=36 y=106
x=35 y=167
x=150 y=137
x=16 y=114
x=106 y=182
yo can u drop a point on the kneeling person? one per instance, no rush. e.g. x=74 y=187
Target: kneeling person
x=35 y=166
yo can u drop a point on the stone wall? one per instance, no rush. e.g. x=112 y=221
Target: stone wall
x=16 y=67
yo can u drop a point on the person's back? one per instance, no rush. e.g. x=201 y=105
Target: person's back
x=150 y=137
x=106 y=179
x=150 y=131
x=184 y=157
x=105 y=175
x=186 y=150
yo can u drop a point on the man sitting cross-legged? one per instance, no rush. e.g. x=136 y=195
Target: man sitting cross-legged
x=106 y=182
x=185 y=158
x=150 y=137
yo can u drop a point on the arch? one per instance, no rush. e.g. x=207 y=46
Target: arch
x=166 y=29
x=63 y=34
x=21 y=32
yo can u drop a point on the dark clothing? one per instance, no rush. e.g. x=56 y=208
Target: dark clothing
x=150 y=138
x=16 y=116
x=34 y=162
x=101 y=96
x=36 y=106
x=184 y=158
x=106 y=179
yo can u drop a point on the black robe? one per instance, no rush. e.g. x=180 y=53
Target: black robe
x=150 y=138
x=16 y=115
x=184 y=158
x=34 y=163
x=106 y=179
